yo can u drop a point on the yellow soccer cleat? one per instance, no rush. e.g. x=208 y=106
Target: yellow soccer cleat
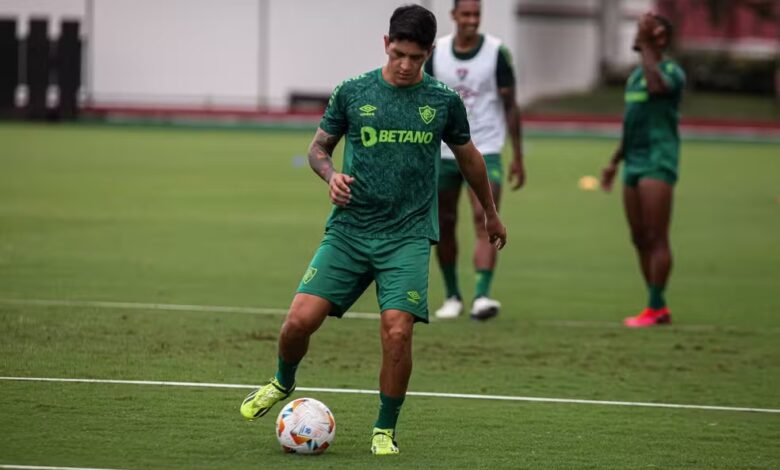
x=260 y=401
x=382 y=442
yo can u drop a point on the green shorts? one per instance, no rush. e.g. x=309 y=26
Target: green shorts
x=655 y=167
x=344 y=266
x=631 y=177
x=450 y=176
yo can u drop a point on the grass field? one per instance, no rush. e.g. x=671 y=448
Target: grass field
x=607 y=101
x=228 y=218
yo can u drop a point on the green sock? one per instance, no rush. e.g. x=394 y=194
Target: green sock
x=285 y=373
x=484 y=278
x=656 y=299
x=450 y=274
x=389 y=408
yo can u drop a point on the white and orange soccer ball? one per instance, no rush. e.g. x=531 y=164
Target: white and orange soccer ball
x=305 y=426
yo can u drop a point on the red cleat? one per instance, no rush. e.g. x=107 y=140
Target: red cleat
x=649 y=317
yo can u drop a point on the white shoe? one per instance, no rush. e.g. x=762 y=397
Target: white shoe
x=484 y=308
x=450 y=309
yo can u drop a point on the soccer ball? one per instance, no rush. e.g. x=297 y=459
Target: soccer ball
x=305 y=426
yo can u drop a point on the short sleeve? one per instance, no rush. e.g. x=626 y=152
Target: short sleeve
x=456 y=131
x=334 y=121
x=673 y=77
x=505 y=75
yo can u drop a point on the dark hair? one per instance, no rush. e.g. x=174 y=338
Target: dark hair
x=667 y=26
x=413 y=23
x=455 y=3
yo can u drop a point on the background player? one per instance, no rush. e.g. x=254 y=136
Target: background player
x=479 y=68
x=650 y=147
x=394 y=120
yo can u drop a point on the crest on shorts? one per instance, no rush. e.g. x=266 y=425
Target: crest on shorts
x=427 y=114
x=309 y=275
x=413 y=296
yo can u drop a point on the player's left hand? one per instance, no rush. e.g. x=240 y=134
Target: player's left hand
x=496 y=230
x=608 y=177
x=649 y=29
x=516 y=174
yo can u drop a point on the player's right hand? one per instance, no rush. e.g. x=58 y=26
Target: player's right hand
x=608 y=177
x=516 y=173
x=496 y=231
x=340 y=194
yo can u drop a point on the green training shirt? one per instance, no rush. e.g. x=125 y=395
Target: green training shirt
x=650 y=123
x=392 y=148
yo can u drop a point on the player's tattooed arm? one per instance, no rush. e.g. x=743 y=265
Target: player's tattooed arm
x=512 y=113
x=320 y=154
x=321 y=161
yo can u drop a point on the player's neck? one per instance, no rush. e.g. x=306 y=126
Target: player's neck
x=465 y=43
x=387 y=76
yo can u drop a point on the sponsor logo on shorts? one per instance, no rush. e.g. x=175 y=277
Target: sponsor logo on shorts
x=309 y=275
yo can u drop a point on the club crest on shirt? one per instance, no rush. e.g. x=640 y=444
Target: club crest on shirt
x=427 y=114
x=462 y=73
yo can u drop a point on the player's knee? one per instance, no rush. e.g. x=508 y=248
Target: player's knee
x=636 y=240
x=397 y=335
x=655 y=239
x=296 y=325
x=639 y=240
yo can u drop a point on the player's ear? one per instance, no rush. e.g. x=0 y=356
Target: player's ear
x=387 y=42
x=659 y=33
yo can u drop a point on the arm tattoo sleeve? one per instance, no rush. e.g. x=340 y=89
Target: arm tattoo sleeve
x=320 y=152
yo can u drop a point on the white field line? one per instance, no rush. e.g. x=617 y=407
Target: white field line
x=281 y=312
x=168 y=307
x=417 y=394
x=39 y=467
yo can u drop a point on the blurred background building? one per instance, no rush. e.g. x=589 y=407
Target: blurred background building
x=250 y=55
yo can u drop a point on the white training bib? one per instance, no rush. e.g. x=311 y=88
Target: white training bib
x=475 y=80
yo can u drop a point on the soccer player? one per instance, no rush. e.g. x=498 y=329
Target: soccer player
x=384 y=221
x=479 y=67
x=650 y=148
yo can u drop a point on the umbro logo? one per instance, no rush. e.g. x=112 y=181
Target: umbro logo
x=367 y=110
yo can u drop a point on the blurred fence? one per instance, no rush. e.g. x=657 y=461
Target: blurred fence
x=246 y=55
